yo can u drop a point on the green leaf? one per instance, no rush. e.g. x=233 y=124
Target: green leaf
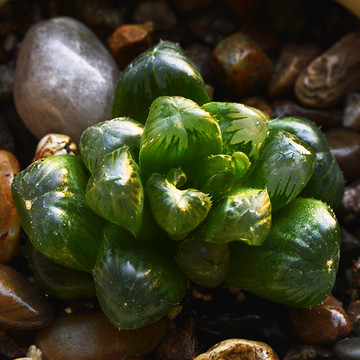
x=204 y=263
x=136 y=283
x=327 y=183
x=162 y=70
x=115 y=192
x=178 y=133
x=49 y=196
x=243 y=128
x=106 y=136
x=177 y=211
x=297 y=263
x=244 y=215
x=56 y=280
x=284 y=167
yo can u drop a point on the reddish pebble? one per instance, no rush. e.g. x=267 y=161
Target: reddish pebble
x=323 y=324
x=128 y=41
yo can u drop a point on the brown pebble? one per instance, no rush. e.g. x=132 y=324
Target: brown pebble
x=128 y=41
x=55 y=144
x=23 y=306
x=323 y=324
x=292 y=60
x=239 y=349
x=349 y=210
x=93 y=337
x=351 y=118
x=345 y=146
x=353 y=310
x=158 y=11
x=213 y=25
x=241 y=65
x=323 y=118
x=307 y=352
x=180 y=343
x=332 y=75
x=10 y=227
x=200 y=54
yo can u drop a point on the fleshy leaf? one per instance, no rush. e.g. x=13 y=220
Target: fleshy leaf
x=177 y=211
x=297 y=263
x=115 y=191
x=56 y=280
x=244 y=215
x=136 y=284
x=243 y=128
x=327 y=183
x=284 y=167
x=106 y=136
x=162 y=70
x=49 y=196
x=177 y=133
x=204 y=263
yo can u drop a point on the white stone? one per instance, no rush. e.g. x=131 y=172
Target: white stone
x=64 y=78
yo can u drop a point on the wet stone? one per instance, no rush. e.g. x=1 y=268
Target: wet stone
x=323 y=324
x=349 y=210
x=353 y=310
x=324 y=118
x=63 y=84
x=351 y=118
x=92 y=337
x=239 y=349
x=292 y=60
x=241 y=65
x=10 y=226
x=158 y=11
x=55 y=144
x=128 y=41
x=200 y=54
x=332 y=75
x=180 y=343
x=23 y=306
x=345 y=145
x=6 y=81
x=212 y=26
x=347 y=349
x=307 y=352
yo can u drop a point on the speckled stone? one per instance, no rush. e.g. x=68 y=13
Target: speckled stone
x=64 y=78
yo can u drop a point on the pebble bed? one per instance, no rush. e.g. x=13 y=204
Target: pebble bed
x=287 y=58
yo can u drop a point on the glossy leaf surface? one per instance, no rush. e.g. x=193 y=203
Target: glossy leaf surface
x=115 y=191
x=104 y=137
x=56 y=280
x=49 y=196
x=244 y=215
x=243 y=128
x=327 y=183
x=297 y=263
x=136 y=284
x=204 y=263
x=177 y=133
x=284 y=167
x=162 y=70
x=177 y=211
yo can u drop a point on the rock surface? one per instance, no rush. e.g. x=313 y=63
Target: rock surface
x=64 y=78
